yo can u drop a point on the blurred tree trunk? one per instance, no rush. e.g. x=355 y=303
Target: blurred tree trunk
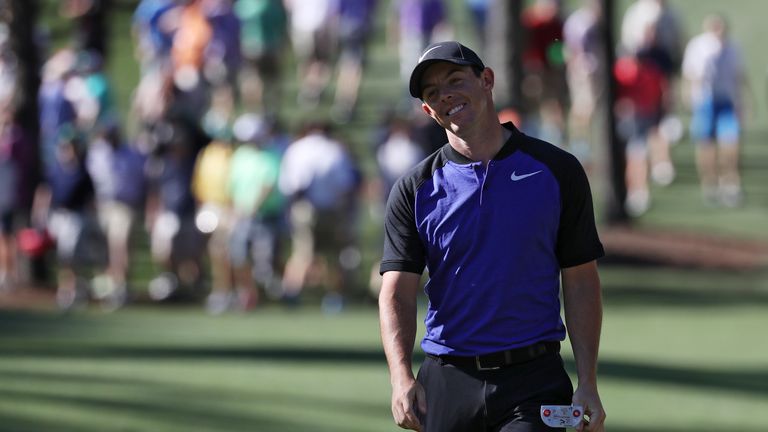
x=615 y=212
x=504 y=41
x=21 y=18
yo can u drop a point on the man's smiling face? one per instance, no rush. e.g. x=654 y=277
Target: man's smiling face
x=455 y=95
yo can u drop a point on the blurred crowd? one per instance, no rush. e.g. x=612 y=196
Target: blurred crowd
x=237 y=207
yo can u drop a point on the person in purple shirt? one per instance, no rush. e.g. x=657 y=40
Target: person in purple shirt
x=420 y=21
x=355 y=23
x=64 y=203
x=56 y=110
x=499 y=219
x=176 y=244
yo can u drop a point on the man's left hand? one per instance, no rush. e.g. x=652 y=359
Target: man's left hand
x=587 y=397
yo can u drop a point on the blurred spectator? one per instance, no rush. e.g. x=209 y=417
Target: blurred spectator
x=583 y=53
x=321 y=180
x=642 y=89
x=91 y=29
x=258 y=212
x=10 y=136
x=478 y=9
x=117 y=171
x=193 y=35
x=355 y=25
x=175 y=241
x=222 y=55
x=430 y=135
x=713 y=67
x=214 y=218
x=662 y=171
x=420 y=22
x=90 y=92
x=545 y=90
x=9 y=72
x=56 y=110
x=397 y=151
x=19 y=165
x=643 y=14
x=154 y=23
x=65 y=200
x=313 y=35
x=263 y=36
x=153 y=97
x=653 y=30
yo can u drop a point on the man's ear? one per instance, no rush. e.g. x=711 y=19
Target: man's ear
x=488 y=78
x=427 y=110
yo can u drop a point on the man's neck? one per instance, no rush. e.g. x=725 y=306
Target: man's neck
x=483 y=144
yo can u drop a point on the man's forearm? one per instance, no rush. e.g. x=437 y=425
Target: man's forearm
x=584 y=316
x=398 y=332
x=584 y=320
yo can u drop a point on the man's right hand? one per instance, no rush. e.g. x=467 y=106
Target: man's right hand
x=406 y=399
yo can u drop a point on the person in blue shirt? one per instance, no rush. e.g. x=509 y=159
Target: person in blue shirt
x=499 y=219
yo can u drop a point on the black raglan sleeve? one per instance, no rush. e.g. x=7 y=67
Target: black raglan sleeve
x=403 y=248
x=577 y=239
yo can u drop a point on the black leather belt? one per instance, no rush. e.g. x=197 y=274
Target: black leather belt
x=500 y=359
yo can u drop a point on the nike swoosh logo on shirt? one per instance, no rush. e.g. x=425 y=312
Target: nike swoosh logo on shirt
x=516 y=177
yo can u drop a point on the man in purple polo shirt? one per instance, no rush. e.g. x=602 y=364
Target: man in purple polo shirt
x=498 y=218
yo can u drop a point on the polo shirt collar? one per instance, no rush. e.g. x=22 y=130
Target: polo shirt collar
x=509 y=147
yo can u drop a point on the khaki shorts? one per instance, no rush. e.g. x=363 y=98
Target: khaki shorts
x=318 y=231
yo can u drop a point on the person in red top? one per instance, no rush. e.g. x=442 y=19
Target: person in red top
x=642 y=92
x=545 y=90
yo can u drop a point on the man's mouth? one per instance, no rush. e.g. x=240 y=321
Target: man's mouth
x=456 y=109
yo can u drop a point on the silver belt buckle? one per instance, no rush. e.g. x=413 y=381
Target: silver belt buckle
x=480 y=367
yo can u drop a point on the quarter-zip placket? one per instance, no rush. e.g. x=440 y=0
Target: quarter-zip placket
x=482 y=178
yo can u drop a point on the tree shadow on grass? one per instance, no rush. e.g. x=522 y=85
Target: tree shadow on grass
x=753 y=382
x=163 y=404
x=20 y=323
x=676 y=297
x=176 y=388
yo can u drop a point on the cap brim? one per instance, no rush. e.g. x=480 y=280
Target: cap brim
x=414 y=86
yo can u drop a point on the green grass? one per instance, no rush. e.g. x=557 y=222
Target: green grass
x=683 y=350
x=667 y=364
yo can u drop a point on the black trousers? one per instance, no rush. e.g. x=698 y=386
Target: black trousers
x=502 y=400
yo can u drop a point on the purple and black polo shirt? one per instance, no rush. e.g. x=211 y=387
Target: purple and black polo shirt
x=493 y=239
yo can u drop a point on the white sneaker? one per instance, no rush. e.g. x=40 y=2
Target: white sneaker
x=163 y=286
x=663 y=173
x=731 y=196
x=637 y=203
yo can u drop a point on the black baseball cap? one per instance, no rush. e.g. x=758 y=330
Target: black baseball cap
x=449 y=51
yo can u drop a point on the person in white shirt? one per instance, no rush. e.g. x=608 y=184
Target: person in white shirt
x=713 y=68
x=320 y=178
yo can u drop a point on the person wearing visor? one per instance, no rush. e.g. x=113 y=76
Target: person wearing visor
x=499 y=219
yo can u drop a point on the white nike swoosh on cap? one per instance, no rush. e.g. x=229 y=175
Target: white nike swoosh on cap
x=516 y=177
x=427 y=52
